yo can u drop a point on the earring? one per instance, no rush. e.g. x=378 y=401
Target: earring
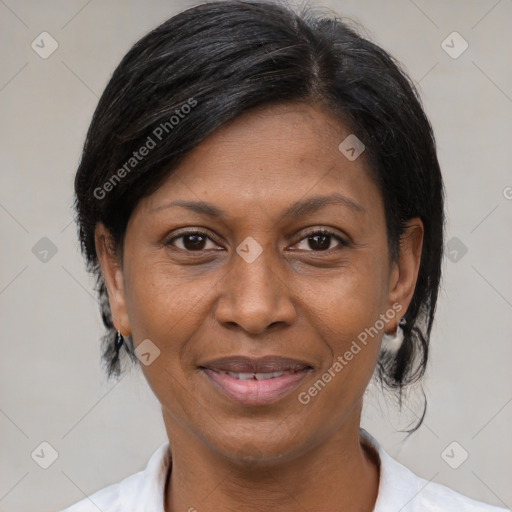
x=391 y=343
x=119 y=341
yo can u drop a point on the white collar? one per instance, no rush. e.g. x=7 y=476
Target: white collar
x=148 y=494
x=399 y=488
x=398 y=485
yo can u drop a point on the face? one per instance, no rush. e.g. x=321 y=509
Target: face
x=264 y=253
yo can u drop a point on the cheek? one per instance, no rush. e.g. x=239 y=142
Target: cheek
x=348 y=318
x=357 y=297
x=164 y=311
x=158 y=302
x=167 y=309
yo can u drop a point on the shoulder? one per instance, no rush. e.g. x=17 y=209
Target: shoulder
x=106 y=499
x=401 y=489
x=437 y=497
x=112 y=498
x=142 y=491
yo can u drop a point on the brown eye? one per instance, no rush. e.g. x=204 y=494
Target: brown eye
x=191 y=241
x=321 y=240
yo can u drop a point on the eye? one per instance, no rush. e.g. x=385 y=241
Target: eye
x=191 y=241
x=320 y=240
x=195 y=241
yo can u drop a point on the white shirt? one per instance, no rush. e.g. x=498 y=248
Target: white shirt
x=400 y=490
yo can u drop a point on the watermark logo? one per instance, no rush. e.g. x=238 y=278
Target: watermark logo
x=351 y=147
x=454 y=45
x=249 y=249
x=455 y=249
x=44 y=45
x=147 y=352
x=362 y=339
x=454 y=455
x=44 y=249
x=44 y=455
x=157 y=135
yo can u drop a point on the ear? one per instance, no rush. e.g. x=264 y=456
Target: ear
x=404 y=272
x=113 y=274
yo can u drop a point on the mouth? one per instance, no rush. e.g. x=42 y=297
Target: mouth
x=255 y=381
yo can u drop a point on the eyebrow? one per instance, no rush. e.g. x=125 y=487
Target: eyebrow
x=297 y=209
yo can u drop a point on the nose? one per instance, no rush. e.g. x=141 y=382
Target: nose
x=254 y=295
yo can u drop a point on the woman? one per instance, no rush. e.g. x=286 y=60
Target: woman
x=261 y=202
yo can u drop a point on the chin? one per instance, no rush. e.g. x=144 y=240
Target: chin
x=258 y=449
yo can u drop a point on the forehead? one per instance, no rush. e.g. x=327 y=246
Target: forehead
x=269 y=156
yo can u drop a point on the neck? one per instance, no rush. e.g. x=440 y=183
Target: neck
x=336 y=474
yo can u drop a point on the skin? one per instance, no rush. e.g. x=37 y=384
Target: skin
x=294 y=300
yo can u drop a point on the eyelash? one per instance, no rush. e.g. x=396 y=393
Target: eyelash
x=319 y=231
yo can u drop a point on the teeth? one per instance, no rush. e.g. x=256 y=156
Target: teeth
x=256 y=376
x=242 y=376
x=265 y=376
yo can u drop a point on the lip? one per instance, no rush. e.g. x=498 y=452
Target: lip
x=255 y=364
x=254 y=391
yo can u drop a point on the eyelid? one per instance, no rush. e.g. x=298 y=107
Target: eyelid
x=191 y=231
x=204 y=232
x=343 y=240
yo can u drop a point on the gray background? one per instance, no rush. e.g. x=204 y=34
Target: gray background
x=52 y=386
